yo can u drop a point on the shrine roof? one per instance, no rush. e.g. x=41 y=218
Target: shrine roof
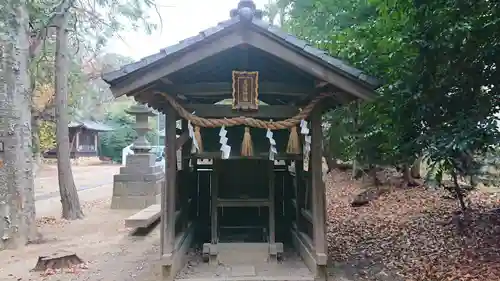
x=90 y=125
x=196 y=68
x=287 y=39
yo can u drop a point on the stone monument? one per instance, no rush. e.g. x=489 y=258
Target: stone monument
x=138 y=185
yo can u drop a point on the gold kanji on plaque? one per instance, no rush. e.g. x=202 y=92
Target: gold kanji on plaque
x=246 y=90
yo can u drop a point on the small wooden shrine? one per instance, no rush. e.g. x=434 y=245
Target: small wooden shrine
x=243 y=180
x=84 y=139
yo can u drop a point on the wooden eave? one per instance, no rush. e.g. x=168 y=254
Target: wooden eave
x=151 y=73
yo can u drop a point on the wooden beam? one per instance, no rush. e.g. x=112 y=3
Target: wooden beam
x=205 y=50
x=272 y=211
x=299 y=180
x=169 y=186
x=185 y=177
x=220 y=111
x=181 y=140
x=226 y=88
x=166 y=81
x=263 y=155
x=301 y=61
x=321 y=84
x=214 y=224
x=318 y=187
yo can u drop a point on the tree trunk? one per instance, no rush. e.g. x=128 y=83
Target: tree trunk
x=25 y=93
x=374 y=175
x=71 y=208
x=408 y=180
x=331 y=162
x=406 y=174
x=415 y=168
x=17 y=208
x=37 y=153
x=458 y=192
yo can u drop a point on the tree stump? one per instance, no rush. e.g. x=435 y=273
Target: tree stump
x=57 y=260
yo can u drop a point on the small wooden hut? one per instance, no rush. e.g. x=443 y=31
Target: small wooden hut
x=84 y=139
x=244 y=195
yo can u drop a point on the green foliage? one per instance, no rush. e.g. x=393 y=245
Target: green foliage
x=438 y=62
x=457 y=64
x=373 y=36
x=113 y=142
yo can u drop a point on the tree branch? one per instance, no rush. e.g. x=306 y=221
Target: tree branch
x=39 y=37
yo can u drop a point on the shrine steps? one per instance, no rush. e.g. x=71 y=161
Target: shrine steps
x=248 y=265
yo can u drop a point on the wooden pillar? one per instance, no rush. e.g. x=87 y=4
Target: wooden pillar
x=299 y=171
x=77 y=141
x=273 y=251
x=318 y=189
x=214 y=191
x=186 y=147
x=169 y=187
x=186 y=186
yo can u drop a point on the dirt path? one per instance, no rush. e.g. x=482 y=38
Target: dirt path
x=86 y=177
x=100 y=239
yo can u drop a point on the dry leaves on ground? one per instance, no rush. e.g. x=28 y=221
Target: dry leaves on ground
x=74 y=269
x=50 y=221
x=414 y=233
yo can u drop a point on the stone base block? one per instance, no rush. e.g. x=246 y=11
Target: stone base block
x=134 y=202
x=138 y=185
x=136 y=188
x=141 y=163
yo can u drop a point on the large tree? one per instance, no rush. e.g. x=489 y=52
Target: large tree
x=16 y=179
x=71 y=208
x=82 y=29
x=437 y=61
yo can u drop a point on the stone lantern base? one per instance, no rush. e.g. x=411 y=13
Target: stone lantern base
x=138 y=185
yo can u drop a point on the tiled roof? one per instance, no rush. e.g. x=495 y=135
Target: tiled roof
x=288 y=40
x=90 y=125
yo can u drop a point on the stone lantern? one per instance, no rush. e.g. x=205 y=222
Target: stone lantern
x=138 y=184
x=141 y=126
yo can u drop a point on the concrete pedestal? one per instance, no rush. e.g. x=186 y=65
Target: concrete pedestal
x=138 y=185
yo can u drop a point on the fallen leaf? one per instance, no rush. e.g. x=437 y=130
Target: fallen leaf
x=414 y=233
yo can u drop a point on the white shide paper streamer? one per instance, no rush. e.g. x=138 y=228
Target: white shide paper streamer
x=272 y=145
x=226 y=149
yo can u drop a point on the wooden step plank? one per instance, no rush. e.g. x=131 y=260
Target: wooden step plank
x=249 y=202
x=145 y=217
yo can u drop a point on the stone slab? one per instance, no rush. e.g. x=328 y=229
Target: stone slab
x=145 y=217
x=242 y=270
x=136 y=188
x=231 y=253
x=141 y=160
x=134 y=202
x=141 y=170
x=140 y=177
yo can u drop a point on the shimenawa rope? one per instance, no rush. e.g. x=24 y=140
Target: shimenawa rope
x=293 y=146
x=247 y=121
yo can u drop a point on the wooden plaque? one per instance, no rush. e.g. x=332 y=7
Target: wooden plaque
x=245 y=90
